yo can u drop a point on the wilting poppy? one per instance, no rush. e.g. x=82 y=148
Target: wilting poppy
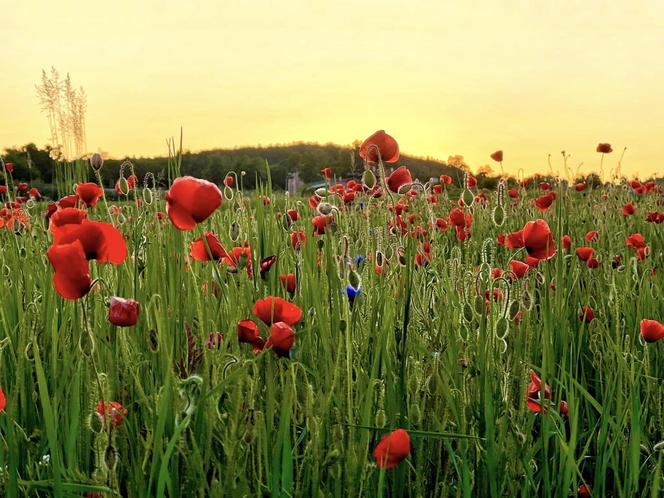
x=652 y=330
x=275 y=309
x=89 y=193
x=115 y=413
x=383 y=143
x=190 y=201
x=288 y=281
x=282 y=338
x=71 y=277
x=123 y=312
x=587 y=314
x=209 y=249
x=392 y=449
x=100 y=241
x=604 y=148
x=399 y=177
x=497 y=156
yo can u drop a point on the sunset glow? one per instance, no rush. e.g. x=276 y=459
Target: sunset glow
x=526 y=77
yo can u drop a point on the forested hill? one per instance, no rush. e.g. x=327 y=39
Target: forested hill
x=307 y=158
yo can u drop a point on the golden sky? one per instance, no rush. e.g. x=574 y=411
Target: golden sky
x=442 y=77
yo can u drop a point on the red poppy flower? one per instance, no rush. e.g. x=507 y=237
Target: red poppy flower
x=132 y=181
x=3 y=401
x=213 y=251
x=567 y=242
x=446 y=179
x=293 y=214
x=399 y=177
x=514 y=240
x=635 y=241
x=442 y=224
x=266 y=264
x=288 y=281
x=34 y=193
x=513 y=193
x=115 y=413
x=585 y=491
x=320 y=222
x=247 y=332
x=563 y=408
x=392 y=449
x=518 y=269
x=22 y=187
x=497 y=156
x=275 y=309
x=266 y=200
x=545 y=186
x=190 y=201
x=587 y=314
x=239 y=257
x=652 y=330
x=9 y=167
x=655 y=217
x=592 y=236
x=584 y=253
x=629 y=209
x=3 y=189
x=89 y=193
x=580 y=187
x=380 y=141
x=327 y=172
x=496 y=273
x=534 y=392
x=543 y=203
x=66 y=216
x=68 y=201
x=604 y=148
x=123 y=312
x=298 y=239
x=592 y=263
x=471 y=181
x=531 y=261
x=229 y=180
x=71 y=277
x=282 y=338
x=100 y=241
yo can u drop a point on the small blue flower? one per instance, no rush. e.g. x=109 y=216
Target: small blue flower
x=352 y=293
x=359 y=260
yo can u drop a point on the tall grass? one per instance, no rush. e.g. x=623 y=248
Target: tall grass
x=418 y=349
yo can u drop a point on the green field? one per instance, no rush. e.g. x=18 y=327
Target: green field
x=432 y=344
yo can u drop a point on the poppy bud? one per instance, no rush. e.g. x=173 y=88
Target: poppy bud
x=321 y=192
x=234 y=231
x=110 y=457
x=355 y=279
x=324 y=208
x=96 y=161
